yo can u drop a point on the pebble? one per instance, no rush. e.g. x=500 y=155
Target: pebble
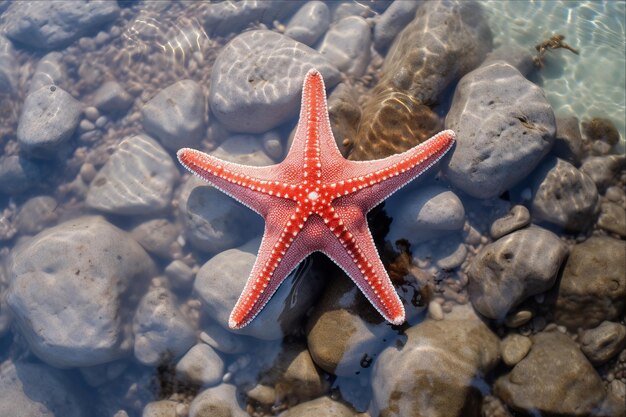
x=36 y=214
x=8 y=67
x=162 y=332
x=593 y=284
x=347 y=45
x=309 y=23
x=256 y=81
x=158 y=236
x=85 y=125
x=425 y=213
x=176 y=115
x=568 y=140
x=55 y=25
x=91 y=113
x=219 y=401
x=101 y=121
x=563 y=196
x=67 y=283
x=435 y=311
x=517 y=218
x=392 y=21
x=516 y=266
x=613 y=218
x=18 y=174
x=137 y=179
x=50 y=70
x=49 y=118
x=492 y=156
x=514 y=348
x=243 y=150
x=604 y=170
x=161 y=408
x=180 y=274
x=201 y=365
x=111 y=97
x=604 y=342
x=320 y=407
x=273 y=145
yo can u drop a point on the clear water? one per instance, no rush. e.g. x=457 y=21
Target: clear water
x=587 y=85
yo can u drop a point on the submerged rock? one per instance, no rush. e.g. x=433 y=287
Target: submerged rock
x=347 y=45
x=8 y=67
x=219 y=401
x=321 y=407
x=309 y=23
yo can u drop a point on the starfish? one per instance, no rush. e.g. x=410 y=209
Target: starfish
x=316 y=200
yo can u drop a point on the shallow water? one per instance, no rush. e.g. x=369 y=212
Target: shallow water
x=108 y=318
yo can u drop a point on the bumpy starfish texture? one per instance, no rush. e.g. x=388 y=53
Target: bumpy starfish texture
x=316 y=200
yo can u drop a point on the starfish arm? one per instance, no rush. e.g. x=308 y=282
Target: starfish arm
x=252 y=186
x=377 y=180
x=354 y=251
x=275 y=260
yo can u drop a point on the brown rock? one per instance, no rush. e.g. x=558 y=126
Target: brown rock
x=603 y=342
x=321 y=407
x=612 y=218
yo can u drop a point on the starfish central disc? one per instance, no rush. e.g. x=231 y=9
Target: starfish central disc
x=344 y=192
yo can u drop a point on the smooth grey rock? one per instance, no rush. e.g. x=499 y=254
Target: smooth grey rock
x=593 y=284
x=201 y=365
x=49 y=118
x=424 y=213
x=436 y=369
x=219 y=401
x=176 y=115
x=8 y=67
x=36 y=390
x=568 y=141
x=219 y=283
x=504 y=127
x=50 y=70
x=514 y=267
x=320 y=407
x=137 y=179
x=51 y=25
x=244 y=150
x=158 y=236
x=162 y=332
x=603 y=342
x=604 y=170
x=36 y=214
x=514 y=55
x=98 y=375
x=256 y=81
x=112 y=98
x=214 y=221
x=309 y=23
x=18 y=174
x=224 y=341
x=563 y=195
x=232 y=17
x=347 y=45
x=613 y=218
x=392 y=21
x=181 y=276
x=555 y=378
x=273 y=145
x=517 y=218
x=68 y=290
x=514 y=348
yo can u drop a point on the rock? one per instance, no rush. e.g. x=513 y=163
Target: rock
x=36 y=390
x=36 y=214
x=593 y=284
x=214 y=221
x=219 y=283
x=244 y=150
x=162 y=332
x=601 y=129
x=555 y=378
x=137 y=179
x=514 y=55
x=98 y=375
x=320 y=407
x=8 y=68
x=112 y=98
x=201 y=365
x=514 y=348
x=425 y=213
x=67 y=290
x=162 y=408
x=392 y=21
x=604 y=170
x=158 y=236
x=273 y=145
x=504 y=127
x=176 y=115
x=18 y=174
x=224 y=341
x=48 y=120
x=603 y=342
x=517 y=218
x=344 y=114
x=441 y=363
x=180 y=275
x=309 y=23
x=431 y=53
x=518 y=318
x=514 y=267
x=563 y=196
x=256 y=81
x=219 y=401
x=50 y=70
x=612 y=218
x=347 y=45
x=56 y=24
x=568 y=141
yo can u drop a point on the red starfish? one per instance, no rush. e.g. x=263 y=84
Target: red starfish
x=315 y=200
